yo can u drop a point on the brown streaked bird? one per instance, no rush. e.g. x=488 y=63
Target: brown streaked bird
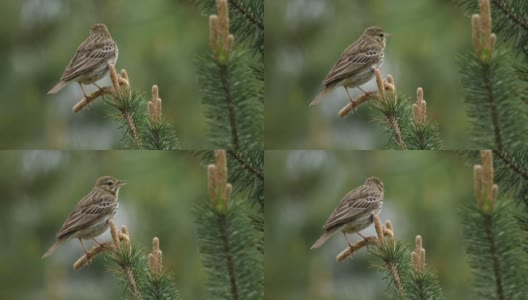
x=90 y=217
x=91 y=60
x=355 y=212
x=357 y=63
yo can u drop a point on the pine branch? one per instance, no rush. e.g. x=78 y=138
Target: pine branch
x=424 y=284
x=508 y=12
x=488 y=227
x=510 y=20
x=246 y=164
x=246 y=173
x=227 y=241
x=233 y=91
x=492 y=103
x=247 y=21
x=493 y=110
x=516 y=168
x=511 y=172
x=230 y=106
x=144 y=130
x=244 y=11
x=130 y=265
x=409 y=279
x=405 y=130
x=493 y=238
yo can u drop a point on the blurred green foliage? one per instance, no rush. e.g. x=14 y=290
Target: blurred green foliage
x=304 y=38
x=157 y=41
x=39 y=190
x=423 y=192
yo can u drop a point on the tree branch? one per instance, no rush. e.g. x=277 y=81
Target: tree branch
x=517 y=169
x=132 y=127
x=509 y=13
x=230 y=261
x=230 y=106
x=493 y=112
x=396 y=127
x=246 y=165
x=495 y=260
x=244 y=11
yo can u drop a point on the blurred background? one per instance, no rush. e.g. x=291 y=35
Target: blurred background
x=304 y=38
x=423 y=190
x=157 y=39
x=40 y=189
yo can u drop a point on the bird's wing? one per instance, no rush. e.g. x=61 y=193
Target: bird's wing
x=355 y=204
x=350 y=63
x=89 y=54
x=89 y=209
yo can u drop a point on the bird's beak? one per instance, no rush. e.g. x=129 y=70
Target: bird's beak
x=388 y=34
x=121 y=183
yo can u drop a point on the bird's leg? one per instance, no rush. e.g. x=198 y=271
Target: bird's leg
x=349 y=243
x=100 y=88
x=349 y=97
x=84 y=93
x=361 y=235
x=100 y=244
x=366 y=93
x=85 y=251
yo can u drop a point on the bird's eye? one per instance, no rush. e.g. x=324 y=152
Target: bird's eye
x=109 y=183
x=381 y=35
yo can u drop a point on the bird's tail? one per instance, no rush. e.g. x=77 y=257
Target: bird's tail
x=52 y=248
x=57 y=87
x=323 y=239
x=318 y=98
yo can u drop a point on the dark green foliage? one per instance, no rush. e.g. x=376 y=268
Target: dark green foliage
x=510 y=21
x=159 y=288
x=227 y=244
x=246 y=21
x=395 y=266
x=424 y=287
x=396 y=114
x=135 y=107
x=493 y=105
x=401 y=281
x=245 y=171
x=494 y=247
x=121 y=260
x=423 y=137
x=159 y=136
x=232 y=103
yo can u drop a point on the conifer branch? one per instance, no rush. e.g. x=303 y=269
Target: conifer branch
x=244 y=11
x=406 y=123
x=146 y=128
x=232 y=90
x=227 y=241
x=503 y=156
x=246 y=164
x=508 y=11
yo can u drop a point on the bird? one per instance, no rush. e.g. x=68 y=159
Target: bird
x=90 y=217
x=91 y=60
x=355 y=212
x=357 y=63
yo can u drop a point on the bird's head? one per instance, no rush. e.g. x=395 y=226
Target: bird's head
x=109 y=183
x=374 y=182
x=376 y=35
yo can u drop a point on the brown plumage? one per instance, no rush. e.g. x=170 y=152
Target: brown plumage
x=91 y=60
x=357 y=63
x=355 y=212
x=90 y=217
